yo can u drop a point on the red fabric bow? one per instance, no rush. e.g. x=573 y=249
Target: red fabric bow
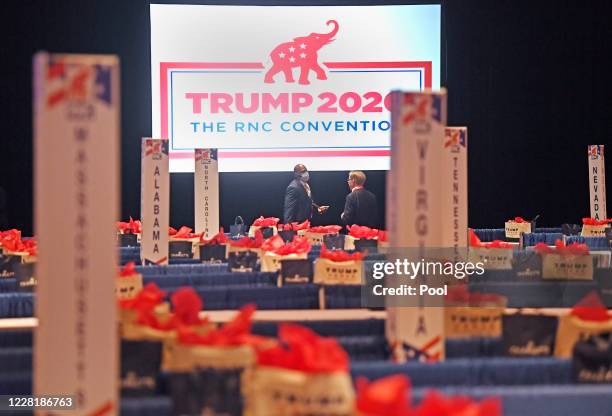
x=235 y=332
x=248 y=242
x=303 y=350
x=475 y=242
x=295 y=226
x=326 y=229
x=131 y=227
x=575 y=249
x=435 y=404
x=382 y=236
x=591 y=308
x=517 y=219
x=183 y=232
x=128 y=270
x=387 y=396
x=593 y=221
x=358 y=231
x=219 y=238
x=265 y=222
x=340 y=255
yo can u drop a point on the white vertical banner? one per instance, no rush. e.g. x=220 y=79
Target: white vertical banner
x=414 y=201
x=597 y=181
x=454 y=190
x=76 y=155
x=206 y=192
x=154 y=201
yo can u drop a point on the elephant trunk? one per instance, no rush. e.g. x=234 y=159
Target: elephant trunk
x=333 y=32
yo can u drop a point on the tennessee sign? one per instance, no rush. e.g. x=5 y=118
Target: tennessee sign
x=307 y=89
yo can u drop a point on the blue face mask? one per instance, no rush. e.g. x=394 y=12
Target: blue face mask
x=304 y=176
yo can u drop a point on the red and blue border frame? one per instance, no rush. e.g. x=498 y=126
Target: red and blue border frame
x=165 y=67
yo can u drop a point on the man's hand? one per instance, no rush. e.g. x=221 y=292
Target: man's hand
x=322 y=208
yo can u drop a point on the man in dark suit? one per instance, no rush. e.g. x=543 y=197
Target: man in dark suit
x=360 y=207
x=298 y=198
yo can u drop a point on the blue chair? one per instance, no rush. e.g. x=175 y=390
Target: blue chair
x=531 y=239
x=594 y=243
x=472 y=371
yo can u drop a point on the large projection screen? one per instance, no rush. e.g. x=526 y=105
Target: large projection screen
x=274 y=86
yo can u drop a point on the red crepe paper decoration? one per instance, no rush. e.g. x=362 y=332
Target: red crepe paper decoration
x=146 y=300
x=591 y=308
x=183 y=232
x=303 y=350
x=387 y=396
x=131 y=227
x=266 y=222
x=272 y=243
x=390 y=396
x=248 y=242
x=295 y=226
x=574 y=249
x=382 y=236
x=325 y=229
x=518 y=219
x=219 y=238
x=11 y=241
x=276 y=245
x=475 y=242
x=233 y=333
x=9 y=237
x=436 y=404
x=299 y=245
x=128 y=270
x=340 y=255
x=186 y=306
x=358 y=231
x=593 y=221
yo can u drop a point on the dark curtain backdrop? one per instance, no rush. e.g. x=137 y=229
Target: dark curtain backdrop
x=531 y=80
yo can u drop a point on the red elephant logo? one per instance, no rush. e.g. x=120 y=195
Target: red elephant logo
x=301 y=52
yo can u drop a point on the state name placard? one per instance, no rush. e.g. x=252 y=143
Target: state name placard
x=155 y=201
x=454 y=190
x=76 y=153
x=414 y=212
x=597 y=181
x=206 y=192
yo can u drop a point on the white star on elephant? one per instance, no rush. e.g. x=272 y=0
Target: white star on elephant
x=302 y=55
x=303 y=46
x=291 y=49
x=281 y=55
x=292 y=59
